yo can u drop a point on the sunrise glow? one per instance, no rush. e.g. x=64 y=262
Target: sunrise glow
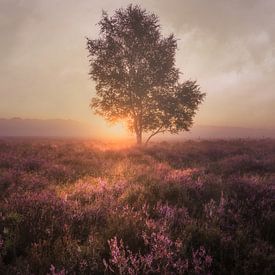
x=137 y=137
x=227 y=47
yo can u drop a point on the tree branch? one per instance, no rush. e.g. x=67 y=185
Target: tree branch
x=155 y=133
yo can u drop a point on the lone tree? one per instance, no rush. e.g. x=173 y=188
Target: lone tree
x=133 y=66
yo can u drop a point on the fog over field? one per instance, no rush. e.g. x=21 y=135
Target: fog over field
x=137 y=137
x=228 y=46
x=17 y=127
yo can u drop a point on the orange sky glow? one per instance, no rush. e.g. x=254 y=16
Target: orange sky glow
x=227 y=46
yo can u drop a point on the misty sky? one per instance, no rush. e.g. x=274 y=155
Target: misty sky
x=228 y=46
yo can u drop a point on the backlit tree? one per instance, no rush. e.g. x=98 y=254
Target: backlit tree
x=133 y=66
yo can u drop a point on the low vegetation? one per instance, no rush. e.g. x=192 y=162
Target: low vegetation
x=195 y=207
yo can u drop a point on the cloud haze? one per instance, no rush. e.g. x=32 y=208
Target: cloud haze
x=228 y=46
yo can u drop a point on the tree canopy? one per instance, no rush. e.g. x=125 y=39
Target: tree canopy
x=133 y=66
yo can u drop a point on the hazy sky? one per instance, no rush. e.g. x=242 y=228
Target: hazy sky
x=228 y=46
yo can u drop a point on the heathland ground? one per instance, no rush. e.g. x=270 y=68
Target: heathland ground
x=194 y=207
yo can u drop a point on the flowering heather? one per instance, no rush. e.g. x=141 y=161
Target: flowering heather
x=194 y=207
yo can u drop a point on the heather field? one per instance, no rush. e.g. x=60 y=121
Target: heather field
x=194 y=207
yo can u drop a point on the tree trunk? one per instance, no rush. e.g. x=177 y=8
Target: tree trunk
x=138 y=130
x=139 y=138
